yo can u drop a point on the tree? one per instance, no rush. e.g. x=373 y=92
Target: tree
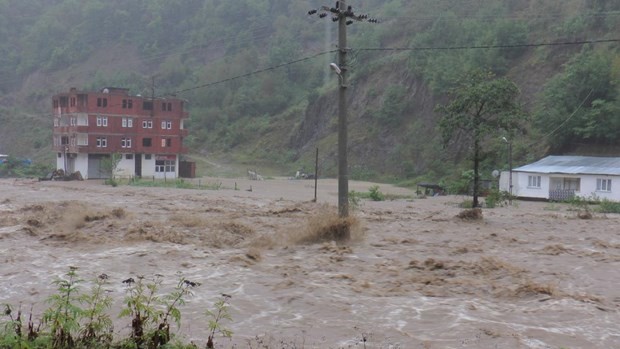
x=109 y=166
x=482 y=107
x=581 y=104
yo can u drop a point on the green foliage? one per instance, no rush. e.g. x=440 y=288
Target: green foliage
x=481 y=107
x=80 y=320
x=64 y=313
x=581 y=104
x=109 y=166
x=608 y=206
x=216 y=317
x=497 y=198
x=375 y=194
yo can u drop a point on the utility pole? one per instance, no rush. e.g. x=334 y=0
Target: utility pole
x=345 y=16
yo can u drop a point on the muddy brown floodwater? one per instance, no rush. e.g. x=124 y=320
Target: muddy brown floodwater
x=532 y=275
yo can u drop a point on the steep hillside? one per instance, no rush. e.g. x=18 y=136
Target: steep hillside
x=261 y=94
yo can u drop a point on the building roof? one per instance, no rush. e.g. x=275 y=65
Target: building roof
x=574 y=165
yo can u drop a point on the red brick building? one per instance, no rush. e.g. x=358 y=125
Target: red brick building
x=147 y=132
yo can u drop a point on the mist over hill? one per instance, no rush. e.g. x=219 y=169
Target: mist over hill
x=256 y=75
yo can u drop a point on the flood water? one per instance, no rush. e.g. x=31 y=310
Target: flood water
x=531 y=275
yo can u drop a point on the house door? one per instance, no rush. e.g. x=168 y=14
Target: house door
x=138 y=165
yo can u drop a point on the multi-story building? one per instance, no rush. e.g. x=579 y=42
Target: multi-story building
x=147 y=132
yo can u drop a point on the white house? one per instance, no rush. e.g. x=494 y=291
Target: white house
x=561 y=177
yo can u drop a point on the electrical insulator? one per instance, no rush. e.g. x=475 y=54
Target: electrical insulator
x=335 y=19
x=322 y=15
x=311 y=12
x=349 y=22
x=337 y=4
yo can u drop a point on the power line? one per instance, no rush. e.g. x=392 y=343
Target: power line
x=477 y=47
x=252 y=72
x=444 y=48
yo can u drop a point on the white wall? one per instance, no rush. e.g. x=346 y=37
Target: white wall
x=81 y=164
x=148 y=166
x=587 y=185
x=126 y=167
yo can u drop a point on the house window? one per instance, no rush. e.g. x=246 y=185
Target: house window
x=147 y=124
x=127 y=104
x=102 y=142
x=56 y=122
x=125 y=142
x=169 y=106
x=147 y=156
x=128 y=156
x=166 y=142
x=572 y=183
x=73 y=121
x=533 y=181
x=102 y=102
x=146 y=142
x=147 y=105
x=603 y=184
x=64 y=140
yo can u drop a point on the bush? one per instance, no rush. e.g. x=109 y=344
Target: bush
x=608 y=206
x=375 y=194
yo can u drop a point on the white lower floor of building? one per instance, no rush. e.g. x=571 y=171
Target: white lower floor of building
x=97 y=166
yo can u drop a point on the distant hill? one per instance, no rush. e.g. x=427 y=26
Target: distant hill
x=255 y=73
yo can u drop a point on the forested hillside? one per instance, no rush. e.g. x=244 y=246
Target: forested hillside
x=256 y=75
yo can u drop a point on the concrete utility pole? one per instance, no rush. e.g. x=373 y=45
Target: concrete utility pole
x=344 y=15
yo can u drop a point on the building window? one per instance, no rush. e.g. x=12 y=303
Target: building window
x=127 y=104
x=102 y=102
x=146 y=142
x=73 y=121
x=102 y=142
x=165 y=166
x=166 y=142
x=127 y=122
x=147 y=124
x=125 y=142
x=59 y=155
x=64 y=140
x=603 y=184
x=147 y=156
x=73 y=101
x=102 y=121
x=147 y=105
x=169 y=106
x=533 y=181
x=128 y=156
x=165 y=124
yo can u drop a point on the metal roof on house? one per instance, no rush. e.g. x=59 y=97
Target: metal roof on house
x=574 y=165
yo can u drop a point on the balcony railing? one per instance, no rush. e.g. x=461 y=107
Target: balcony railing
x=561 y=194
